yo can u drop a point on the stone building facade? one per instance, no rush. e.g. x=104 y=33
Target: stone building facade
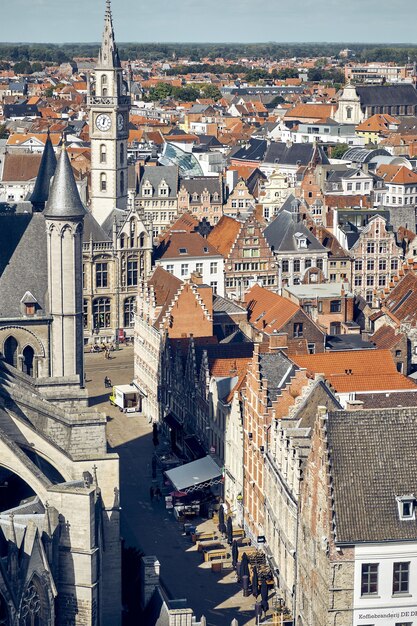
x=114 y=263
x=248 y=257
x=202 y=197
x=157 y=196
x=63 y=513
x=376 y=260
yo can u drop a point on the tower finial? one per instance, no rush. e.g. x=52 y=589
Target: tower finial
x=108 y=56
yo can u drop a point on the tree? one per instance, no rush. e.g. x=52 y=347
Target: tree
x=161 y=91
x=211 y=91
x=37 y=67
x=186 y=94
x=339 y=150
x=22 y=67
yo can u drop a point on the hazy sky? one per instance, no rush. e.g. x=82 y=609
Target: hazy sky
x=60 y=21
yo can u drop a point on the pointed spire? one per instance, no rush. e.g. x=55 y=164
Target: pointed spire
x=108 y=56
x=47 y=169
x=64 y=200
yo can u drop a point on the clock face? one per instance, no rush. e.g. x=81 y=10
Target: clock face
x=120 y=122
x=103 y=122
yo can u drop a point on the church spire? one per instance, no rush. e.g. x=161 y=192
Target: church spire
x=64 y=200
x=46 y=171
x=108 y=56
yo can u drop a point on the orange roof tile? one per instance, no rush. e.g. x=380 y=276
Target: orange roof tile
x=398 y=175
x=356 y=370
x=318 y=111
x=224 y=234
x=377 y=123
x=267 y=310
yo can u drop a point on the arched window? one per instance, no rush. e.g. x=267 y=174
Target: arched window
x=103 y=153
x=28 y=358
x=31 y=610
x=104 y=85
x=122 y=182
x=10 y=351
x=103 y=182
x=142 y=240
x=122 y=154
x=349 y=113
x=4 y=613
x=129 y=312
x=101 y=313
x=123 y=241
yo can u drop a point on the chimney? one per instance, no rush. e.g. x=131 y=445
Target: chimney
x=354 y=405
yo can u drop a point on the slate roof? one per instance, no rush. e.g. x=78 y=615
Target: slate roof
x=280 y=235
x=254 y=150
x=294 y=154
x=277 y=369
x=20 y=271
x=390 y=95
x=372 y=461
x=47 y=169
x=155 y=175
x=198 y=184
x=92 y=229
x=20 y=110
x=64 y=200
x=402 y=300
x=388 y=400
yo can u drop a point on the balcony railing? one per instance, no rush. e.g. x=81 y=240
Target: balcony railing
x=108 y=101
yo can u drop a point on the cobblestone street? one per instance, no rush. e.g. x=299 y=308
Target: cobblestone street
x=149 y=526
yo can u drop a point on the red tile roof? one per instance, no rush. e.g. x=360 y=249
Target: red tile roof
x=224 y=234
x=356 y=370
x=268 y=311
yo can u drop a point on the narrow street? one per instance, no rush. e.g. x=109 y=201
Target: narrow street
x=149 y=526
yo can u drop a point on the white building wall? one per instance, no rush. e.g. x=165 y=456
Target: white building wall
x=177 y=268
x=386 y=609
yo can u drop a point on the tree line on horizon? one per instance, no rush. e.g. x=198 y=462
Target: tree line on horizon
x=61 y=53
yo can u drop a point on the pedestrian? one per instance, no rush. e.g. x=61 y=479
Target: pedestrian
x=106 y=382
x=151 y=493
x=158 y=493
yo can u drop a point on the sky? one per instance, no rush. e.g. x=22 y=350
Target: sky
x=60 y=21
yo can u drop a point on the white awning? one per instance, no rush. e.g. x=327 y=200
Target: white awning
x=202 y=472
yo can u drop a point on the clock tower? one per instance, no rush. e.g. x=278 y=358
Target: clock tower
x=108 y=101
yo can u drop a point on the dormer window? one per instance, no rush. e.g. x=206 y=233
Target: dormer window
x=183 y=251
x=301 y=240
x=406 y=507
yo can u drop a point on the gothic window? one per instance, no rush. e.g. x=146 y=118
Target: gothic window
x=101 y=313
x=28 y=358
x=31 y=613
x=122 y=154
x=122 y=182
x=129 y=312
x=101 y=274
x=103 y=182
x=104 y=85
x=132 y=272
x=142 y=241
x=103 y=153
x=4 y=619
x=10 y=351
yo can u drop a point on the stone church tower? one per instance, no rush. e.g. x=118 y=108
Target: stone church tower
x=349 y=107
x=108 y=101
x=64 y=215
